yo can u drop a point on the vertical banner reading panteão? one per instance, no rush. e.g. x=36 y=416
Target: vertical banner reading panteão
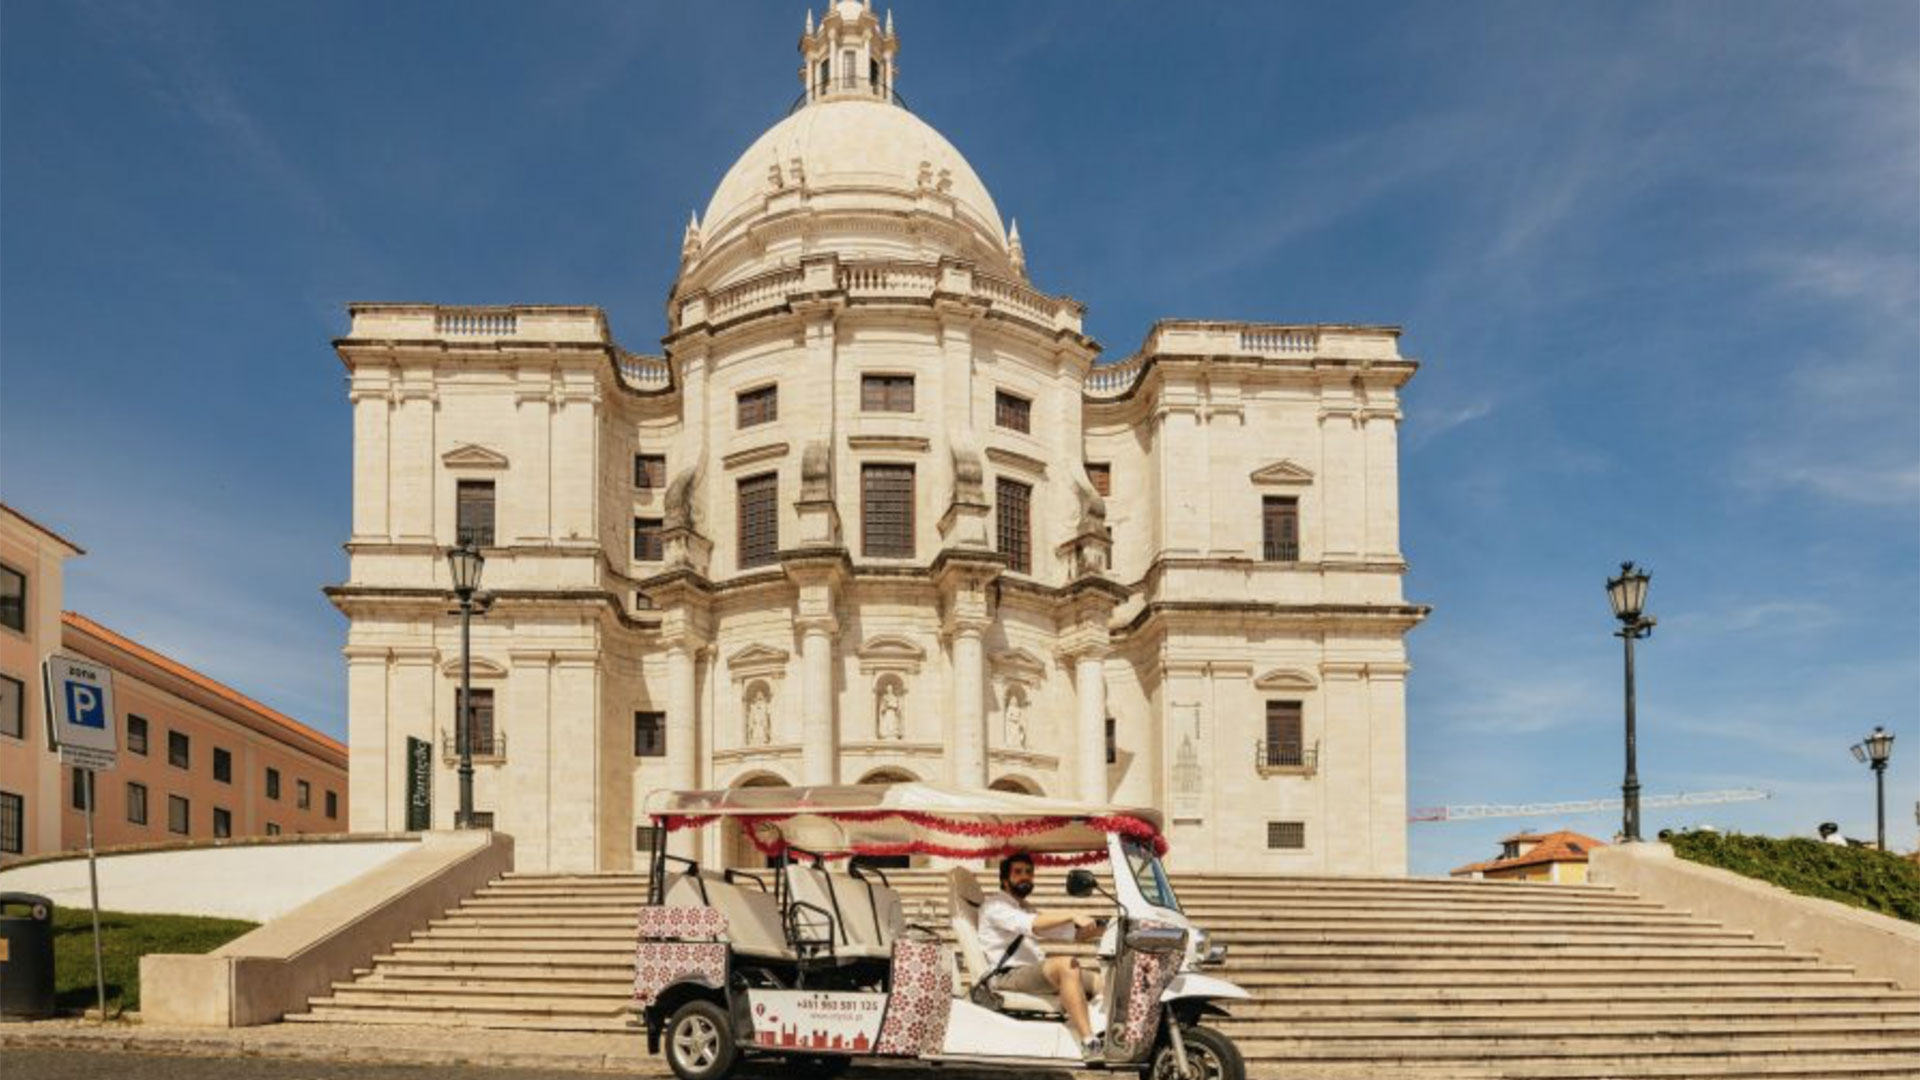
x=419 y=784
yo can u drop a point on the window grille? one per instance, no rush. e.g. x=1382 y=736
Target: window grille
x=1280 y=528
x=886 y=393
x=1012 y=523
x=481 y=733
x=136 y=803
x=760 y=406
x=473 y=513
x=886 y=511
x=13 y=823
x=1012 y=411
x=649 y=471
x=649 y=734
x=647 y=545
x=759 y=520
x=1101 y=474
x=1286 y=736
x=1286 y=835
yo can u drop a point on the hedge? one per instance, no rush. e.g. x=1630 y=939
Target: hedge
x=1862 y=877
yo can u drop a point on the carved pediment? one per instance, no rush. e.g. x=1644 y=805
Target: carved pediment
x=482 y=668
x=473 y=456
x=1286 y=679
x=1018 y=665
x=890 y=652
x=758 y=661
x=1282 y=472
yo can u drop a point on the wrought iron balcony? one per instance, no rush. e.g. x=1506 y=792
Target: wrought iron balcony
x=1286 y=758
x=488 y=746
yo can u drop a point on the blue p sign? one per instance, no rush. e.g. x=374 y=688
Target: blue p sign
x=84 y=707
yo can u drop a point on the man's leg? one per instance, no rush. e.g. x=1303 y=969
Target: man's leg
x=1064 y=973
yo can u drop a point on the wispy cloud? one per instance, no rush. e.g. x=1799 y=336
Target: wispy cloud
x=1426 y=425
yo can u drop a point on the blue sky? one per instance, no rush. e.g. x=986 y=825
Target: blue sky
x=1661 y=264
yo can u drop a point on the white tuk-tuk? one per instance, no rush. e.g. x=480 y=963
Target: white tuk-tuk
x=813 y=961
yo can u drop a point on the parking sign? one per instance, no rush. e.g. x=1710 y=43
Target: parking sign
x=80 y=715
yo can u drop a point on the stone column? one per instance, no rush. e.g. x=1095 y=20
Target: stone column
x=969 y=706
x=820 y=743
x=1090 y=742
x=683 y=764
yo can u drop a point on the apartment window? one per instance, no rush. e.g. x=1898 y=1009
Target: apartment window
x=1012 y=514
x=1285 y=735
x=647 y=546
x=136 y=803
x=333 y=804
x=473 y=512
x=13 y=823
x=1012 y=411
x=886 y=511
x=179 y=815
x=1113 y=741
x=177 y=750
x=481 y=733
x=13 y=707
x=302 y=794
x=760 y=406
x=273 y=783
x=273 y=828
x=13 y=598
x=1101 y=474
x=759 y=520
x=649 y=734
x=650 y=471
x=1286 y=835
x=137 y=734
x=79 y=788
x=222 y=823
x=223 y=765
x=1280 y=528
x=886 y=393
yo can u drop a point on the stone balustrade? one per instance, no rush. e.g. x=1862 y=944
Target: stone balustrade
x=879 y=280
x=430 y=322
x=646 y=372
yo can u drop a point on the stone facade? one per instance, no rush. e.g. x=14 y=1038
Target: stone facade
x=850 y=299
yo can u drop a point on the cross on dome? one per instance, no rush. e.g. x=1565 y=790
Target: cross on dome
x=849 y=54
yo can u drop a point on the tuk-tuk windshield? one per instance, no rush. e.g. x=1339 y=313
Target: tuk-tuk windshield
x=1150 y=876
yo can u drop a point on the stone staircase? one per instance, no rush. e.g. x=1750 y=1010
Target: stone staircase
x=1351 y=977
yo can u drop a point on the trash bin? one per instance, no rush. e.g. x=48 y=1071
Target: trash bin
x=26 y=956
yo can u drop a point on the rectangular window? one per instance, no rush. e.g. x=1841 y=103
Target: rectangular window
x=650 y=471
x=1012 y=502
x=302 y=794
x=79 y=788
x=273 y=783
x=333 y=804
x=482 y=731
x=643 y=838
x=473 y=512
x=13 y=707
x=13 y=598
x=760 y=406
x=1285 y=735
x=222 y=822
x=886 y=511
x=273 y=828
x=1101 y=474
x=649 y=734
x=1280 y=528
x=179 y=815
x=137 y=734
x=1286 y=835
x=13 y=824
x=1113 y=741
x=136 y=803
x=178 y=750
x=223 y=765
x=886 y=393
x=1012 y=411
x=647 y=546
x=759 y=520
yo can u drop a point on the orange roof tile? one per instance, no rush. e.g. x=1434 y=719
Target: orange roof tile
x=1562 y=846
x=213 y=686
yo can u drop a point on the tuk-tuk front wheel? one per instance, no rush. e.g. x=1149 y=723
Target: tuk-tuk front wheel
x=1210 y=1056
x=699 y=1041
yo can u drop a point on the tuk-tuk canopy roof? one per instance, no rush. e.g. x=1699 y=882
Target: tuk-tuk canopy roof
x=909 y=819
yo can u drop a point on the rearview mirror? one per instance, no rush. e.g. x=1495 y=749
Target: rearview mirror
x=1081 y=883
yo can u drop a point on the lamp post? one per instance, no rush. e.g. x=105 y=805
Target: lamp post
x=1874 y=750
x=465 y=562
x=1628 y=594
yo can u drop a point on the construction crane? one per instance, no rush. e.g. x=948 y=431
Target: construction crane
x=1476 y=811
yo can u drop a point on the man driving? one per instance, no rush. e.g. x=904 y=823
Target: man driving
x=1006 y=919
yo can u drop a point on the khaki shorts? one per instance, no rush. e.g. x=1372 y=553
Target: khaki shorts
x=1029 y=979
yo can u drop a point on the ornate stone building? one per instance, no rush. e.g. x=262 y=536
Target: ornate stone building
x=876 y=512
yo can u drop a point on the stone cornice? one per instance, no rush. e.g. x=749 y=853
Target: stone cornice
x=346 y=597
x=1401 y=617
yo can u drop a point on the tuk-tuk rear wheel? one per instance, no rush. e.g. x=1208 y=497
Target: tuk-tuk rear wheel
x=699 y=1042
x=1210 y=1056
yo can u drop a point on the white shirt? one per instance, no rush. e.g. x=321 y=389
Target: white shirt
x=1003 y=918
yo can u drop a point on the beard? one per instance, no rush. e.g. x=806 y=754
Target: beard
x=1020 y=889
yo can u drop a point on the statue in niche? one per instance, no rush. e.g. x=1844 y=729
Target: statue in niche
x=759 y=716
x=890 y=723
x=1016 y=720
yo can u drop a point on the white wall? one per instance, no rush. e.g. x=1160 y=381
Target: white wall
x=256 y=882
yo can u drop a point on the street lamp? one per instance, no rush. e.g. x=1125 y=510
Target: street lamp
x=1628 y=594
x=465 y=562
x=1874 y=750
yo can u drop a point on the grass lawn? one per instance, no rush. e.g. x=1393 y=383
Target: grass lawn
x=124 y=939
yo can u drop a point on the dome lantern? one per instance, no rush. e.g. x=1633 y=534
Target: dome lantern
x=849 y=53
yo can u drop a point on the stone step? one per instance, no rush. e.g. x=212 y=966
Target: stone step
x=465 y=1017
x=1535 y=1050
x=1319 y=1036
x=1401 y=995
x=582 y=992
x=1553 y=977
x=1710 y=1007
x=445 y=1001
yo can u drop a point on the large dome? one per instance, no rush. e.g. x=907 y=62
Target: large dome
x=852 y=151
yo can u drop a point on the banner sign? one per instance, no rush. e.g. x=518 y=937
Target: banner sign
x=815 y=1020
x=419 y=785
x=81 y=720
